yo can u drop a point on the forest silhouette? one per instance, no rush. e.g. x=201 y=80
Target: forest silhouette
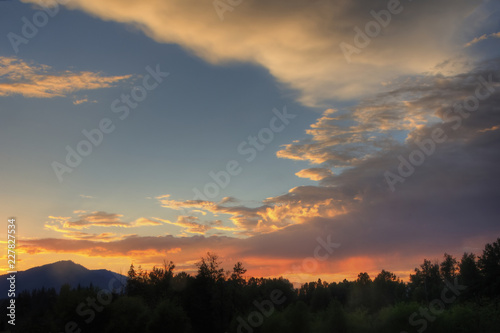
x=454 y=295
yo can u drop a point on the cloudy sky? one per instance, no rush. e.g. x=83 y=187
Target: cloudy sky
x=312 y=138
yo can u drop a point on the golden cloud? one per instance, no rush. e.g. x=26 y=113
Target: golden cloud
x=41 y=81
x=315 y=173
x=299 y=41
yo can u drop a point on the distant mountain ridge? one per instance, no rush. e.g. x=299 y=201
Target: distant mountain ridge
x=59 y=273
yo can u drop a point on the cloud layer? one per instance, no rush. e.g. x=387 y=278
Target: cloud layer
x=299 y=41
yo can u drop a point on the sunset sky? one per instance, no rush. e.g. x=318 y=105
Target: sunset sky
x=142 y=131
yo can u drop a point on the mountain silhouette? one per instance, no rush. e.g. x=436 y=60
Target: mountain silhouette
x=59 y=273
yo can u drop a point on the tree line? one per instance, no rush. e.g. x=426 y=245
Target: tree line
x=453 y=295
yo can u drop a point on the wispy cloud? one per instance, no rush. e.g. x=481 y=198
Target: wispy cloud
x=80 y=101
x=99 y=219
x=483 y=37
x=193 y=225
x=78 y=235
x=96 y=219
x=83 y=100
x=30 y=80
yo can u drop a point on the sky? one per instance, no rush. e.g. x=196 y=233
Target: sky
x=307 y=139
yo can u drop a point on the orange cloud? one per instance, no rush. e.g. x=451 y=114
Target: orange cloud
x=192 y=226
x=314 y=173
x=69 y=228
x=152 y=252
x=96 y=219
x=77 y=235
x=190 y=223
x=41 y=81
x=482 y=37
x=142 y=221
x=275 y=213
x=333 y=143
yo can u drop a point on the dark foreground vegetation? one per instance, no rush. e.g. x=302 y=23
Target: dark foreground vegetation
x=451 y=296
